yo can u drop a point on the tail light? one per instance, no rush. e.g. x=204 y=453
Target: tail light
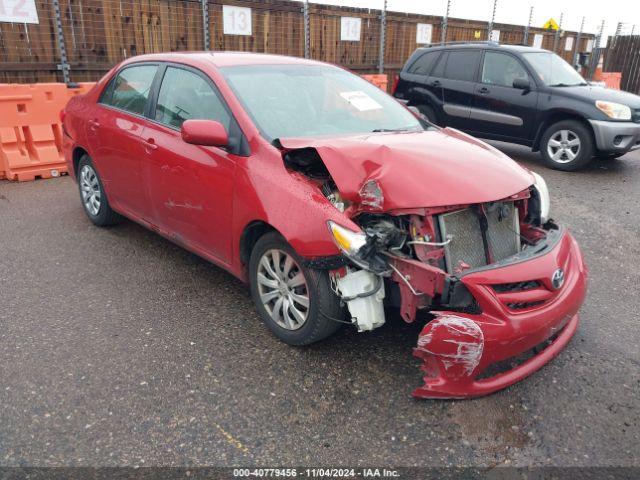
x=394 y=87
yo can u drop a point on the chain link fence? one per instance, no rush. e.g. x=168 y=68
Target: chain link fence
x=79 y=40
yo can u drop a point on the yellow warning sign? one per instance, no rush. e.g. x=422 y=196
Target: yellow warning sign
x=477 y=34
x=551 y=24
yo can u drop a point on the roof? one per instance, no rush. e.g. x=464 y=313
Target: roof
x=486 y=45
x=225 y=59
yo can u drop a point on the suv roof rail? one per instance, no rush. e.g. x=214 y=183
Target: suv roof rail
x=464 y=42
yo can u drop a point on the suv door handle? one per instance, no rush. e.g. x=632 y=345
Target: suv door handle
x=150 y=143
x=436 y=83
x=483 y=91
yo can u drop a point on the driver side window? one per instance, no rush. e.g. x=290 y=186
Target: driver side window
x=501 y=69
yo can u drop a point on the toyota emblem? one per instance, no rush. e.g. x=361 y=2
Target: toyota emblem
x=557 y=279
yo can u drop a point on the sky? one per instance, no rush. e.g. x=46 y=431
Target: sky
x=517 y=12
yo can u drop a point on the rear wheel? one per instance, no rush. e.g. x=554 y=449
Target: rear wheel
x=567 y=145
x=92 y=194
x=295 y=302
x=430 y=113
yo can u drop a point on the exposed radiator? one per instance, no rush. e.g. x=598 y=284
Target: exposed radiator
x=464 y=227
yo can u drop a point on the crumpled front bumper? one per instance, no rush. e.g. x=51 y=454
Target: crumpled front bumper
x=458 y=347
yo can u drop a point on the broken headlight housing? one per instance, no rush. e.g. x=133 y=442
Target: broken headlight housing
x=544 y=201
x=348 y=241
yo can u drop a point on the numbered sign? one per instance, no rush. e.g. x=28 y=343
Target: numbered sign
x=424 y=32
x=495 y=35
x=18 y=11
x=590 y=45
x=236 y=20
x=568 y=44
x=350 y=28
x=537 y=40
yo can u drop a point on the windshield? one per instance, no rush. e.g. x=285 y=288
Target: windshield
x=553 y=70
x=310 y=100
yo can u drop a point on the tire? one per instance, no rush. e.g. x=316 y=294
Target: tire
x=567 y=145
x=92 y=195
x=323 y=313
x=430 y=113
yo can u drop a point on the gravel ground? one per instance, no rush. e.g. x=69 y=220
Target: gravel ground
x=120 y=348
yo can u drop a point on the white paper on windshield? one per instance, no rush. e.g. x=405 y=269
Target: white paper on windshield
x=360 y=100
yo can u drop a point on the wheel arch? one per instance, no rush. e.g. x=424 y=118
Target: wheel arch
x=78 y=153
x=250 y=235
x=557 y=116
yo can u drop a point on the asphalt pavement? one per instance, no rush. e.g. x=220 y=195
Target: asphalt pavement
x=118 y=347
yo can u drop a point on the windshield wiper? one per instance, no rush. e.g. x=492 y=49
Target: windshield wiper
x=581 y=84
x=404 y=129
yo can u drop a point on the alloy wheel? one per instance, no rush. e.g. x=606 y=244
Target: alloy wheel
x=563 y=146
x=90 y=188
x=283 y=289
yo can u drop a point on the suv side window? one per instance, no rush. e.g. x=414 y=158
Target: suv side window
x=129 y=91
x=438 y=71
x=462 y=65
x=185 y=95
x=501 y=69
x=423 y=65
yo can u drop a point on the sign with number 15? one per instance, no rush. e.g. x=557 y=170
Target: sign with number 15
x=18 y=11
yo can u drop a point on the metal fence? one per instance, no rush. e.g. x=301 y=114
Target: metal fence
x=623 y=55
x=79 y=40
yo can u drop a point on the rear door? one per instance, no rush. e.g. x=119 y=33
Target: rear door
x=458 y=86
x=190 y=186
x=499 y=109
x=417 y=87
x=114 y=126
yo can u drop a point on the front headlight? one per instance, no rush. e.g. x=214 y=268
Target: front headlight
x=613 y=110
x=348 y=241
x=543 y=194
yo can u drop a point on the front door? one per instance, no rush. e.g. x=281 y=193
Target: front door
x=190 y=186
x=499 y=109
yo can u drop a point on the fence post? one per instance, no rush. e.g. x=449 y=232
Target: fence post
x=525 y=40
x=493 y=17
x=205 y=25
x=64 y=63
x=307 y=33
x=596 y=53
x=445 y=21
x=633 y=29
x=556 y=40
x=577 y=45
x=383 y=30
x=611 y=45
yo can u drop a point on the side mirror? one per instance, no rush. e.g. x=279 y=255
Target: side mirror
x=522 y=84
x=204 y=132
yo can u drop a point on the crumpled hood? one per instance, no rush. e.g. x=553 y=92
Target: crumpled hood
x=418 y=169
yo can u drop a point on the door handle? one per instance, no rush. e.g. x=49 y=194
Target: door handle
x=436 y=83
x=94 y=124
x=150 y=143
x=483 y=91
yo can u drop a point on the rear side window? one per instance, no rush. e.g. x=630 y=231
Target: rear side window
x=423 y=65
x=438 y=71
x=130 y=89
x=462 y=65
x=185 y=95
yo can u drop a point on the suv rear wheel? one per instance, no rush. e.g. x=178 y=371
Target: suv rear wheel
x=567 y=145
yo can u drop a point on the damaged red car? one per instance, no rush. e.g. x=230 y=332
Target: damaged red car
x=334 y=202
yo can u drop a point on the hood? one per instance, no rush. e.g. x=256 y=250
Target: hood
x=593 y=93
x=418 y=169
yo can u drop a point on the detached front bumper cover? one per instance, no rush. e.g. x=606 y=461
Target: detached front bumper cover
x=457 y=348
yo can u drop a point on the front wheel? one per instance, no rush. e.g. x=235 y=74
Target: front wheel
x=567 y=145
x=295 y=302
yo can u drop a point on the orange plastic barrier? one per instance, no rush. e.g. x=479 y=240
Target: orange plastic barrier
x=612 y=79
x=379 y=80
x=30 y=130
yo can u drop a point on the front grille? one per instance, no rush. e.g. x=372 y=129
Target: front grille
x=516 y=286
x=465 y=229
x=524 y=305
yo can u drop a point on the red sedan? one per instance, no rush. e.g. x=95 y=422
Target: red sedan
x=334 y=202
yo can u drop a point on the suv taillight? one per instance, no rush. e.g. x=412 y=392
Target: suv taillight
x=394 y=86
